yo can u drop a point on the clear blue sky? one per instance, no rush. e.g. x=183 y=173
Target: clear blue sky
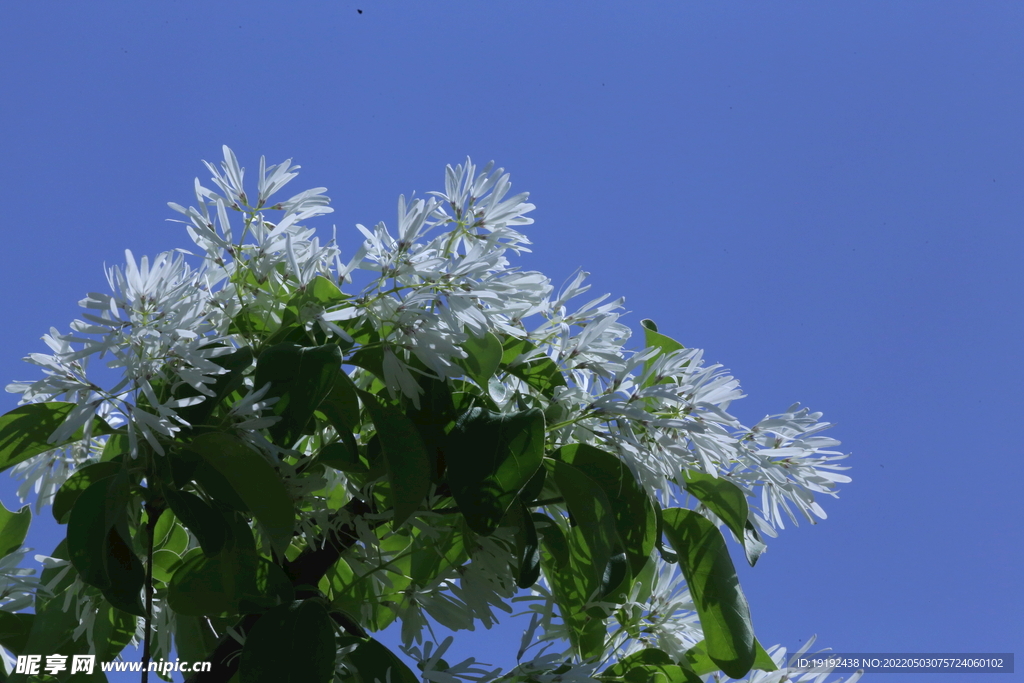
x=827 y=197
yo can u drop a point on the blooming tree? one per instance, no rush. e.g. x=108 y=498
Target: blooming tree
x=295 y=456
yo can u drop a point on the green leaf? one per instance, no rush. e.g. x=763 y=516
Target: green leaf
x=711 y=577
x=562 y=561
x=343 y=457
x=341 y=405
x=125 y=574
x=406 y=458
x=215 y=484
x=484 y=356
x=14 y=630
x=491 y=457
x=205 y=523
x=24 y=431
x=301 y=377
x=541 y=372
x=88 y=525
x=762 y=660
x=325 y=292
x=554 y=542
x=292 y=643
x=722 y=497
x=78 y=482
x=117 y=444
x=13 y=528
x=255 y=481
x=650 y=666
x=112 y=630
x=659 y=341
x=527 y=563
x=635 y=519
x=697 y=659
x=373 y=662
x=194 y=638
x=595 y=524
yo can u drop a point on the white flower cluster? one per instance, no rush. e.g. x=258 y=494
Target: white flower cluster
x=440 y=278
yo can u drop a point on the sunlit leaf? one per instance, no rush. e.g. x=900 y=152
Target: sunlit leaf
x=711 y=578
x=13 y=528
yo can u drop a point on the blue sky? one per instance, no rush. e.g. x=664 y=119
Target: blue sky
x=826 y=197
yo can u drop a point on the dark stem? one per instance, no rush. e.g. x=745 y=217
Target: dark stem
x=153 y=514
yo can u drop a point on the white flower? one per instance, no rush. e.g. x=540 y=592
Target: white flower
x=17 y=584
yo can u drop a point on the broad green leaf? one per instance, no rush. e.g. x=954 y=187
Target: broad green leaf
x=78 y=482
x=125 y=574
x=325 y=292
x=215 y=484
x=291 y=643
x=433 y=418
x=165 y=562
x=635 y=519
x=541 y=372
x=722 y=497
x=595 y=524
x=343 y=457
x=24 y=431
x=194 y=638
x=407 y=460
x=255 y=481
x=117 y=444
x=482 y=359
x=721 y=606
x=762 y=660
x=531 y=492
x=491 y=457
x=650 y=666
x=653 y=338
x=697 y=659
x=88 y=524
x=554 y=543
x=13 y=528
x=341 y=405
x=373 y=662
x=527 y=564
x=644 y=657
x=176 y=539
x=205 y=523
x=14 y=630
x=301 y=377
x=571 y=587
x=112 y=630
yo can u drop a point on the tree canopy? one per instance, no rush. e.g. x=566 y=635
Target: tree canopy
x=303 y=449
